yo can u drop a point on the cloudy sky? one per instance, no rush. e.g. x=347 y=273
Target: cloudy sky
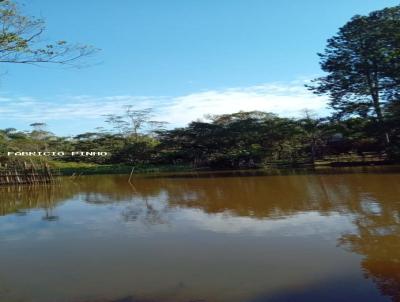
x=184 y=58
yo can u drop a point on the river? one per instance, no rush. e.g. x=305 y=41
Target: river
x=230 y=236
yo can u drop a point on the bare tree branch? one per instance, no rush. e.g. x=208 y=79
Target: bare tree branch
x=21 y=43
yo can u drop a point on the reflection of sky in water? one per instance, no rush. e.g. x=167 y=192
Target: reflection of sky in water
x=370 y=205
x=307 y=238
x=140 y=217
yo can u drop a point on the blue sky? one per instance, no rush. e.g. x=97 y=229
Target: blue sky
x=185 y=58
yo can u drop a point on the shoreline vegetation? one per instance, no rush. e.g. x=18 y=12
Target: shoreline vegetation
x=238 y=141
x=77 y=169
x=80 y=169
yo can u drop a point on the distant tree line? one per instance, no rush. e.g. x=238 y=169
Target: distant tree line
x=238 y=140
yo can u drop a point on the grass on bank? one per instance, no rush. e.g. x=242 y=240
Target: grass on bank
x=81 y=168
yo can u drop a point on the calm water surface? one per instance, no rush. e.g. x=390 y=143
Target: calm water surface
x=206 y=237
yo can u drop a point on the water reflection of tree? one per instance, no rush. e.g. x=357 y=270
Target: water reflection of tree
x=378 y=238
x=20 y=199
x=49 y=216
x=91 y=190
x=146 y=212
x=257 y=197
x=371 y=199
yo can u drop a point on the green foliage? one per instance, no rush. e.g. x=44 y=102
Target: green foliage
x=136 y=152
x=393 y=121
x=363 y=64
x=229 y=141
x=20 y=40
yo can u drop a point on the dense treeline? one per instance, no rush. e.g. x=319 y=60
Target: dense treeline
x=362 y=80
x=239 y=140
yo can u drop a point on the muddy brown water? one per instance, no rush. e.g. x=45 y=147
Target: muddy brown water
x=252 y=237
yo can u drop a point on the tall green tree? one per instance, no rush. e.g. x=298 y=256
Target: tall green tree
x=362 y=62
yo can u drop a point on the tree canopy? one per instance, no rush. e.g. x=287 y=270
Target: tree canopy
x=21 y=41
x=362 y=62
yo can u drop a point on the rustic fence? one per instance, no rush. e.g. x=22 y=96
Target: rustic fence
x=27 y=173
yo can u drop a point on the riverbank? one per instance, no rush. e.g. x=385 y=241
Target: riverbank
x=79 y=168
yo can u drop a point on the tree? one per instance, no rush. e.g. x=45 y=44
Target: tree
x=313 y=128
x=363 y=66
x=137 y=119
x=135 y=122
x=393 y=122
x=20 y=40
x=118 y=123
x=155 y=127
x=39 y=134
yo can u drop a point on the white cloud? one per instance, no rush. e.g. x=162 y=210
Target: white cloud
x=301 y=224
x=286 y=99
